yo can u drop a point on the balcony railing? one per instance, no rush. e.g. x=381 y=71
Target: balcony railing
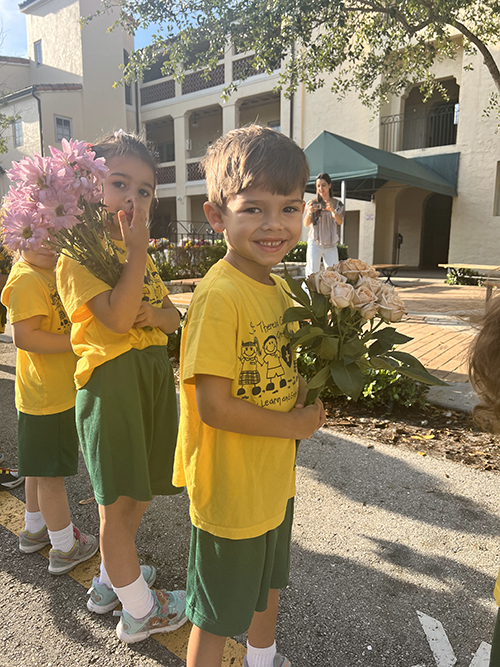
x=166 y=174
x=195 y=172
x=437 y=127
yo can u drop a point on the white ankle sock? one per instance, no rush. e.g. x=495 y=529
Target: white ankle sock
x=136 y=598
x=62 y=540
x=33 y=521
x=261 y=657
x=104 y=577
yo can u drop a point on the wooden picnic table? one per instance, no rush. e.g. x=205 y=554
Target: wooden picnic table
x=388 y=270
x=483 y=270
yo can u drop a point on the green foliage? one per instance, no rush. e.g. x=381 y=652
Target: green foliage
x=376 y=48
x=381 y=387
x=343 y=251
x=5 y=124
x=174 y=341
x=463 y=277
x=190 y=260
x=296 y=254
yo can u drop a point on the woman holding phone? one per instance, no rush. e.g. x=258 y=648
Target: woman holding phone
x=323 y=217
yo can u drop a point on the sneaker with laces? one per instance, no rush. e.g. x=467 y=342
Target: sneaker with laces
x=9 y=478
x=84 y=548
x=103 y=599
x=167 y=615
x=30 y=542
x=279 y=661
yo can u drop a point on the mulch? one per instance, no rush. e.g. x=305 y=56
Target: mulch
x=431 y=431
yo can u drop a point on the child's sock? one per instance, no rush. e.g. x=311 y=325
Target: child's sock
x=104 y=577
x=260 y=657
x=62 y=540
x=33 y=521
x=136 y=598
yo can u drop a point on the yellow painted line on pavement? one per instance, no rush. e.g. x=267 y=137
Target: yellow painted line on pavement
x=12 y=518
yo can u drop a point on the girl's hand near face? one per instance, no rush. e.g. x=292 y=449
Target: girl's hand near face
x=135 y=233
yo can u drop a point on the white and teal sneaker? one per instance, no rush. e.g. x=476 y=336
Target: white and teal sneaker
x=168 y=614
x=103 y=599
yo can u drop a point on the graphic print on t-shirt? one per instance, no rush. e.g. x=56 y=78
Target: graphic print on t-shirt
x=152 y=289
x=55 y=300
x=268 y=370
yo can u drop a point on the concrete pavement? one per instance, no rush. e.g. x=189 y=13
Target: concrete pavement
x=384 y=539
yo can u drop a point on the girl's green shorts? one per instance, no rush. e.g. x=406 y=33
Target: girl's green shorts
x=229 y=580
x=47 y=445
x=126 y=416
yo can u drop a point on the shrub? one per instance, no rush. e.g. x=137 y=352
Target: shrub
x=463 y=277
x=192 y=259
x=343 y=251
x=296 y=254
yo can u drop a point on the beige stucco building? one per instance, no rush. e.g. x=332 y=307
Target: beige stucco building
x=65 y=88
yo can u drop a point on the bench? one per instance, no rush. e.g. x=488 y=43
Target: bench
x=388 y=270
x=184 y=282
x=484 y=271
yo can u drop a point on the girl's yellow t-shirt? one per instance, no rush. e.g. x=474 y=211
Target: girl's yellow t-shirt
x=44 y=382
x=93 y=342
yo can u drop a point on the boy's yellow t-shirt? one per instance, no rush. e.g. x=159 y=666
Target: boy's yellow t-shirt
x=44 y=382
x=93 y=342
x=239 y=485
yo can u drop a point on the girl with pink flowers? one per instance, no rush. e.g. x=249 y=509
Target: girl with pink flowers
x=45 y=400
x=126 y=407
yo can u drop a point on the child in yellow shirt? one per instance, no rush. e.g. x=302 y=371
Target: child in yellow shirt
x=126 y=408
x=242 y=400
x=45 y=399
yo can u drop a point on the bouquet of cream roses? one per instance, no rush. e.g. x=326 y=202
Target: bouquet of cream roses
x=344 y=325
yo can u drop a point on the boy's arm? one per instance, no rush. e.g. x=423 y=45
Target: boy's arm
x=118 y=308
x=28 y=336
x=219 y=409
x=166 y=318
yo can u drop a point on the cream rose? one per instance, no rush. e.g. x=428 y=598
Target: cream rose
x=353 y=269
x=341 y=295
x=365 y=301
x=323 y=281
x=373 y=284
x=390 y=305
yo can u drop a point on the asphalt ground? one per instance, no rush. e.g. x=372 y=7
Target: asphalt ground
x=380 y=536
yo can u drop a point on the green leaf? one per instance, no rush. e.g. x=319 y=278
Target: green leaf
x=382 y=363
x=297 y=292
x=407 y=359
x=421 y=375
x=312 y=334
x=319 y=379
x=354 y=349
x=320 y=304
x=329 y=348
x=349 y=379
x=385 y=339
x=296 y=313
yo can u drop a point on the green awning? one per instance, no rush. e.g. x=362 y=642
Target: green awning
x=366 y=169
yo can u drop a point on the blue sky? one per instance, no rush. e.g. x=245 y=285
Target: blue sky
x=13 y=31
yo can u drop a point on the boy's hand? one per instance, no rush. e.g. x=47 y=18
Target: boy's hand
x=309 y=419
x=135 y=233
x=148 y=316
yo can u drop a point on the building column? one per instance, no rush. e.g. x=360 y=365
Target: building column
x=181 y=134
x=230 y=116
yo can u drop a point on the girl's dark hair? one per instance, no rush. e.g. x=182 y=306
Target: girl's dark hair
x=325 y=177
x=484 y=369
x=120 y=144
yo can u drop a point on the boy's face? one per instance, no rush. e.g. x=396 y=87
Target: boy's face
x=259 y=227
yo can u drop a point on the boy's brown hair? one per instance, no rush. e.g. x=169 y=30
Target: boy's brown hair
x=254 y=156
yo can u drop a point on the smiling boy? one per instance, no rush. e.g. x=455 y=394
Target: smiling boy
x=236 y=447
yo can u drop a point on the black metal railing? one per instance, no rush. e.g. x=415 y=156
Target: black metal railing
x=179 y=232
x=417 y=129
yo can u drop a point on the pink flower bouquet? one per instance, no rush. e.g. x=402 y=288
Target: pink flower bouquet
x=344 y=318
x=57 y=201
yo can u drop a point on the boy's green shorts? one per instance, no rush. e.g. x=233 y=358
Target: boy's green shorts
x=229 y=580
x=47 y=445
x=126 y=416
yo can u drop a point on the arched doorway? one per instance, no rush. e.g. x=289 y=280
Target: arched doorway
x=436 y=224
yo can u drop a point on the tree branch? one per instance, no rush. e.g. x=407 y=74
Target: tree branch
x=489 y=61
